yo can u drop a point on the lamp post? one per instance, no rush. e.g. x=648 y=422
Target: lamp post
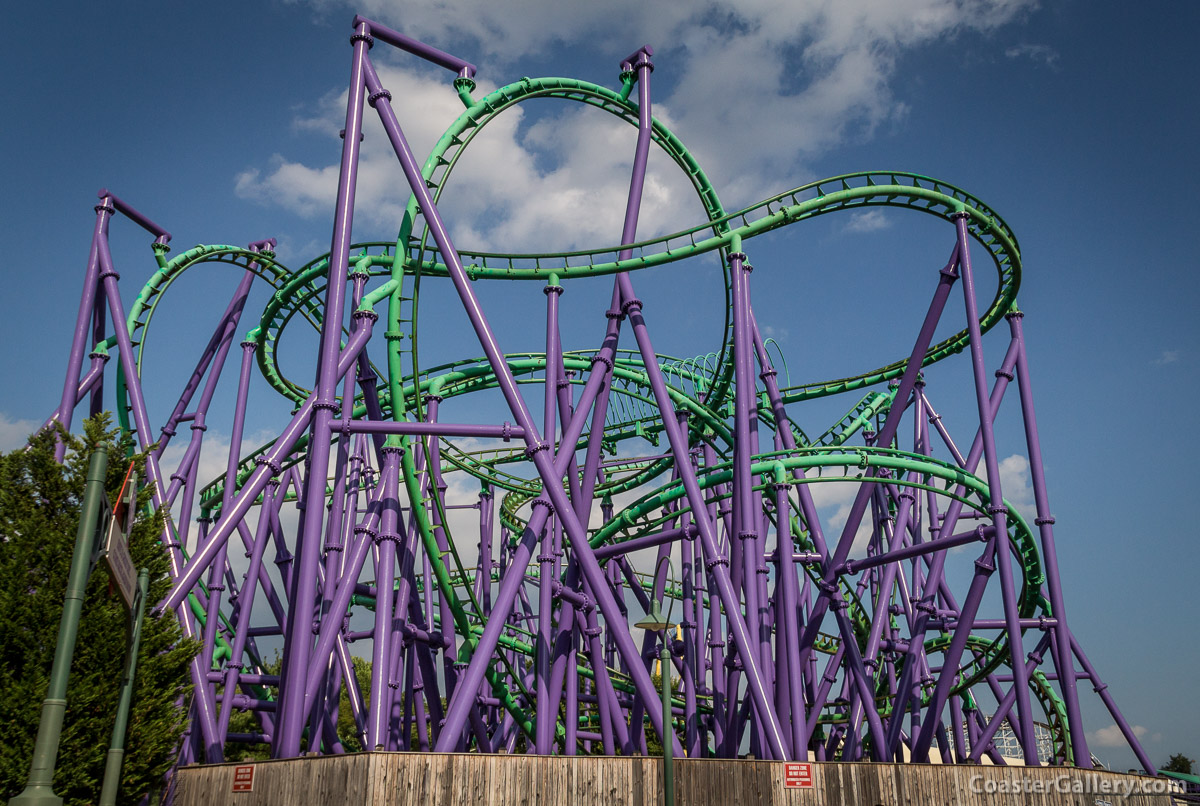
x=39 y=787
x=654 y=621
x=116 y=748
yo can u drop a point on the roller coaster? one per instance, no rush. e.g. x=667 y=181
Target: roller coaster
x=643 y=483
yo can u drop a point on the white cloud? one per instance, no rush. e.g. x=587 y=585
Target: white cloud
x=1166 y=357
x=305 y=191
x=761 y=88
x=1015 y=483
x=833 y=500
x=776 y=333
x=292 y=254
x=1037 y=53
x=214 y=453
x=1111 y=736
x=868 y=221
x=14 y=433
x=498 y=197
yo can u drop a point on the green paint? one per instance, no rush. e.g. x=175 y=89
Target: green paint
x=39 y=787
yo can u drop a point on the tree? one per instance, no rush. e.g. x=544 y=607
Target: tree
x=39 y=514
x=1178 y=763
x=347 y=732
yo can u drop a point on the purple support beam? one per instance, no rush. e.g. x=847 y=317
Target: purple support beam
x=465 y=663
x=83 y=321
x=455 y=719
x=999 y=513
x=269 y=465
x=1045 y=524
x=390 y=529
x=298 y=641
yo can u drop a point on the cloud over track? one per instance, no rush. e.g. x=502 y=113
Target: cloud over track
x=758 y=89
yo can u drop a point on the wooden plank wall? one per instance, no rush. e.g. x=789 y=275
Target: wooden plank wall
x=398 y=779
x=429 y=779
x=322 y=780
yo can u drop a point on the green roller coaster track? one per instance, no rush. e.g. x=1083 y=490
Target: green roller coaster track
x=701 y=385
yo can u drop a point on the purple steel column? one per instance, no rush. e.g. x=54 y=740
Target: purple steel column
x=999 y=513
x=215 y=588
x=348 y=464
x=298 y=641
x=483 y=577
x=437 y=488
x=233 y=665
x=269 y=464
x=631 y=307
x=99 y=356
x=1045 y=523
x=789 y=625
x=385 y=574
x=691 y=725
x=456 y=717
x=205 y=708
x=572 y=695
x=716 y=643
x=83 y=320
x=1101 y=689
x=544 y=738
x=808 y=509
x=933 y=583
x=745 y=518
x=828 y=583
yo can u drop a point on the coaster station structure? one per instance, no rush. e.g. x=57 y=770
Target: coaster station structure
x=790 y=644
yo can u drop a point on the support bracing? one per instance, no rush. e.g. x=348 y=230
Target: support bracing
x=487 y=575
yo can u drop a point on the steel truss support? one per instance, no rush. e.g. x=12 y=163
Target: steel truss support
x=516 y=633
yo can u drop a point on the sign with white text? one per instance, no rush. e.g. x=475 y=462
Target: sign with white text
x=243 y=778
x=797 y=776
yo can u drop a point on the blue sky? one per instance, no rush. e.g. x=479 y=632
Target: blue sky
x=1076 y=122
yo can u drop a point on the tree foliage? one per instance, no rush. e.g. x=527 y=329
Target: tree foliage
x=1179 y=763
x=347 y=729
x=39 y=514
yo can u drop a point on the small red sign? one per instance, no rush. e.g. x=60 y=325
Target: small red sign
x=243 y=778
x=797 y=776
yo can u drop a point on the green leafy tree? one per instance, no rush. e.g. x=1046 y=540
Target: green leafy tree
x=346 y=727
x=654 y=745
x=39 y=514
x=1179 y=763
x=347 y=730
x=248 y=722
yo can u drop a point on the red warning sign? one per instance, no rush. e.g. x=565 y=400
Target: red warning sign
x=797 y=776
x=243 y=778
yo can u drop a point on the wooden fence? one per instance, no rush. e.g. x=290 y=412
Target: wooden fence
x=435 y=779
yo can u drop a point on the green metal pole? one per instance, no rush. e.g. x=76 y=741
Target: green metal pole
x=116 y=747
x=39 y=787
x=668 y=730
